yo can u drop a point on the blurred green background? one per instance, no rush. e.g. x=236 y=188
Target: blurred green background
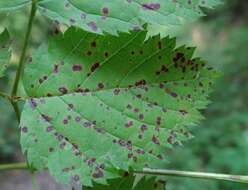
x=221 y=141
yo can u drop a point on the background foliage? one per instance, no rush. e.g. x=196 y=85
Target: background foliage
x=222 y=140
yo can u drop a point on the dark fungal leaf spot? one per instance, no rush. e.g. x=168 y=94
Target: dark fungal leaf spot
x=105 y=11
x=98 y=174
x=33 y=103
x=93 y=44
x=63 y=90
x=46 y=117
x=51 y=149
x=92 y=26
x=116 y=91
x=155 y=140
x=100 y=85
x=89 y=53
x=129 y=124
x=151 y=6
x=94 y=67
x=173 y=94
x=24 y=129
x=65 y=121
x=49 y=128
x=106 y=54
x=183 y=112
x=55 y=68
x=76 y=178
x=77 y=67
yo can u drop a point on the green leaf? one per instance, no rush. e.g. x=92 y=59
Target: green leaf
x=99 y=104
x=128 y=183
x=4 y=51
x=104 y=16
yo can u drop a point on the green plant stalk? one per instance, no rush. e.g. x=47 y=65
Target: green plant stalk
x=14 y=166
x=22 y=58
x=163 y=172
x=200 y=175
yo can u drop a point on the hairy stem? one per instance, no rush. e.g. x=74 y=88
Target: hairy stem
x=148 y=171
x=22 y=59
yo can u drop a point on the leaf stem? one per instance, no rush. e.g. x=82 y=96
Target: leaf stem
x=24 y=49
x=14 y=166
x=200 y=175
x=22 y=59
x=163 y=172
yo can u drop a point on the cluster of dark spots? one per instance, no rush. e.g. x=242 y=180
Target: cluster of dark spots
x=77 y=67
x=140 y=83
x=151 y=6
x=143 y=128
x=24 y=129
x=130 y=155
x=63 y=90
x=116 y=91
x=178 y=56
x=90 y=162
x=62 y=145
x=129 y=124
x=158 y=121
x=163 y=69
x=155 y=140
x=46 y=117
x=49 y=129
x=87 y=124
x=94 y=66
x=56 y=68
x=140 y=151
x=98 y=173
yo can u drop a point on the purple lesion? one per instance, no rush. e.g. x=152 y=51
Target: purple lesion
x=151 y=6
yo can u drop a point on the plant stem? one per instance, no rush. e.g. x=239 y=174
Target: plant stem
x=148 y=171
x=16 y=109
x=200 y=175
x=24 y=49
x=14 y=166
x=22 y=59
